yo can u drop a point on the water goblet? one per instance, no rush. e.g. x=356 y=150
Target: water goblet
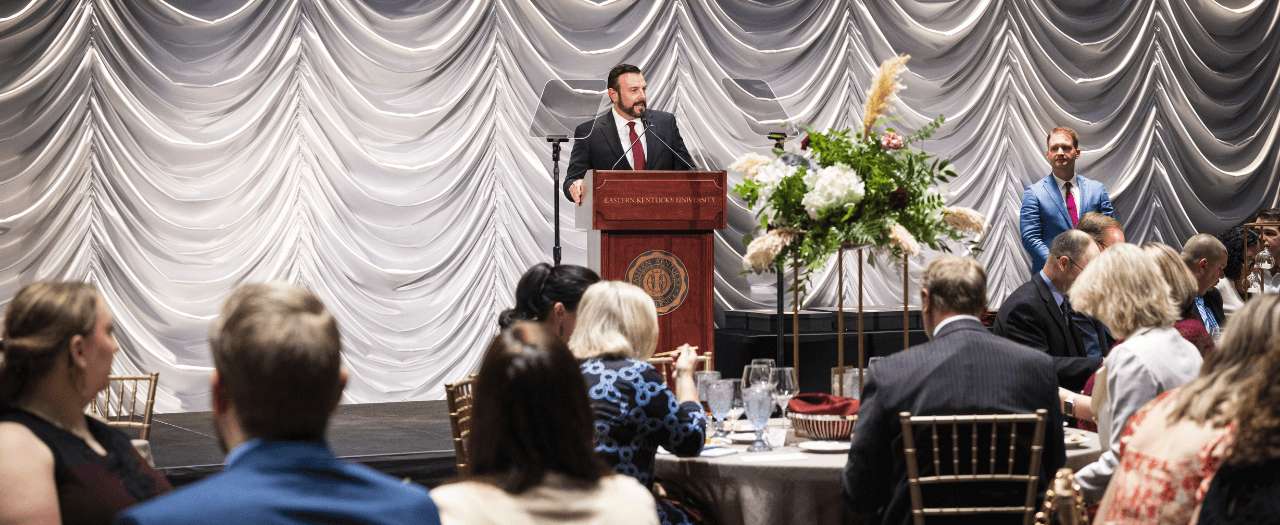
x=701 y=379
x=736 y=410
x=720 y=399
x=758 y=400
x=784 y=387
x=755 y=374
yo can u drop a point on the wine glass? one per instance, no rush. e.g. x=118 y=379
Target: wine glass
x=784 y=387
x=758 y=400
x=736 y=410
x=720 y=399
x=755 y=374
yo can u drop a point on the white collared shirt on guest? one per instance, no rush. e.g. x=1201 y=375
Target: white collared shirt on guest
x=624 y=135
x=948 y=321
x=1075 y=188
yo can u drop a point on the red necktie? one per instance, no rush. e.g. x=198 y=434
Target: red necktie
x=1071 y=204
x=637 y=149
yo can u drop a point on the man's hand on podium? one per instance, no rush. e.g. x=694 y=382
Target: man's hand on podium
x=575 y=190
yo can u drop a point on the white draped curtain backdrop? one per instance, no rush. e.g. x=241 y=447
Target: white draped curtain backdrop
x=378 y=152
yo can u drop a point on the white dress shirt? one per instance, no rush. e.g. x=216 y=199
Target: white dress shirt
x=624 y=134
x=1075 y=190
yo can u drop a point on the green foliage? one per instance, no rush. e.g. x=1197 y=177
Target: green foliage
x=899 y=188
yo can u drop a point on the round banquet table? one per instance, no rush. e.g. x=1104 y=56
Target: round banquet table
x=787 y=485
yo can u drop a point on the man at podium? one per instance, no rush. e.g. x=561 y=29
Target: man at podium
x=627 y=138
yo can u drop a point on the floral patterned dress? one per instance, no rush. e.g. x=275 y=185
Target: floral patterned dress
x=635 y=414
x=1165 y=468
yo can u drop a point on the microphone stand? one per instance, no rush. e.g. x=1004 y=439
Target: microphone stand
x=555 y=192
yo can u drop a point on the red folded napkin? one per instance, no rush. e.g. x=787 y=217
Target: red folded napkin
x=823 y=404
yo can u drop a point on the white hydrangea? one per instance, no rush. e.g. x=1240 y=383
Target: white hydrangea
x=831 y=187
x=769 y=175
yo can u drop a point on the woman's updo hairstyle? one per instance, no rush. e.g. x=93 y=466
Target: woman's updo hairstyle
x=38 y=326
x=542 y=287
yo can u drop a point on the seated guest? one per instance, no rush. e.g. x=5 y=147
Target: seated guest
x=1206 y=257
x=532 y=457
x=1104 y=229
x=549 y=295
x=1183 y=290
x=1173 y=446
x=1125 y=289
x=962 y=370
x=1235 y=281
x=1038 y=313
x=1270 y=240
x=277 y=379
x=635 y=412
x=58 y=465
x=1246 y=488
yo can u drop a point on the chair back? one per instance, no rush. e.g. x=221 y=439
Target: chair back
x=954 y=464
x=666 y=365
x=460 y=396
x=1063 y=502
x=127 y=402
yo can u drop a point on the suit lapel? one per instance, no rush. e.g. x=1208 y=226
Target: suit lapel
x=1055 y=313
x=1050 y=188
x=610 y=129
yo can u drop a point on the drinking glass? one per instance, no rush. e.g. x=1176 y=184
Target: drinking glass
x=758 y=400
x=755 y=374
x=768 y=363
x=720 y=398
x=736 y=410
x=701 y=379
x=784 y=387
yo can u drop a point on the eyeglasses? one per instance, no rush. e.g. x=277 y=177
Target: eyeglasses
x=1073 y=263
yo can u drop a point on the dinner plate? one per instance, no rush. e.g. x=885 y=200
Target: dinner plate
x=1075 y=440
x=743 y=437
x=825 y=446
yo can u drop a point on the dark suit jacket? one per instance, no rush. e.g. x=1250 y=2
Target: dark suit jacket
x=964 y=370
x=1031 y=317
x=290 y=482
x=1212 y=301
x=602 y=148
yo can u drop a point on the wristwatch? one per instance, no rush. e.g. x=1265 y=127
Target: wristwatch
x=1069 y=406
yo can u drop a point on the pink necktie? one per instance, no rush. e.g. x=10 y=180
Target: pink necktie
x=637 y=151
x=1071 y=204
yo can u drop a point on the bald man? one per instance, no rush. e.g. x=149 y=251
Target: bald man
x=1206 y=257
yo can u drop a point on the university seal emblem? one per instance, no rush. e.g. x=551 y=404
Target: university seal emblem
x=662 y=276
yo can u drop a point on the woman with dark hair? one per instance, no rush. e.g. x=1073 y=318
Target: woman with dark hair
x=1172 y=447
x=532 y=457
x=56 y=463
x=1246 y=489
x=1235 y=282
x=549 y=295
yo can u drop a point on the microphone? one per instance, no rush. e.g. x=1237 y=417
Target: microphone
x=645 y=120
x=632 y=145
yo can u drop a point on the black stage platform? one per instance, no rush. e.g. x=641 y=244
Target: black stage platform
x=406 y=440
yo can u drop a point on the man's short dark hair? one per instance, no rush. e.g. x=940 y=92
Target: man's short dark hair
x=1075 y=138
x=1071 y=244
x=1271 y=215
x=277 y=351
x=956 y=285
x=1096 y=225
x=619 y=70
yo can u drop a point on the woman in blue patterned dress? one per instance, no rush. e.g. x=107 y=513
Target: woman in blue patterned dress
x=635 y=412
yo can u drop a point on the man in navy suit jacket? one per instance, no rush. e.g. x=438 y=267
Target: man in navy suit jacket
x=277 y=378
x=962 y=370
x=1047 y=205
x=608 y=143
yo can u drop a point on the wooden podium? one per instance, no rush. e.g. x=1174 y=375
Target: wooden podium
x=654 y=230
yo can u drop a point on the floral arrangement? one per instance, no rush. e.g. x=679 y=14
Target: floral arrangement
x=844 y=188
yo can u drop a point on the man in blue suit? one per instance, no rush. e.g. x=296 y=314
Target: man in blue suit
x=1056 y=203
x=277 y=379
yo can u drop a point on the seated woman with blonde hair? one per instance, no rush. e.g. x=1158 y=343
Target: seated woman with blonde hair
x=58 y=465
x=1172 y=448
x=532 y=458
x=635 y=412
x=1126 y=290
